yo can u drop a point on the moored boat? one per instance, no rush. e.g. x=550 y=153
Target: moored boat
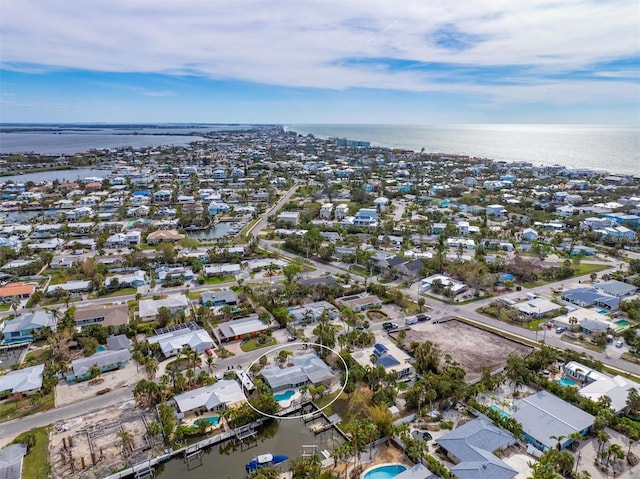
x=264 y=460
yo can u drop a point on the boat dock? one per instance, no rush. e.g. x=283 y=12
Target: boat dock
x=318 y=428
x=312 y=417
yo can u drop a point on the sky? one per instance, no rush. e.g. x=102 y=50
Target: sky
x=322 y=61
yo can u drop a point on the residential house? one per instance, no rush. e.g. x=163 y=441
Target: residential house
x=103 y=314
x=104 y=360
x=22 y=328
x=537 y=308
x=217 y=207
x=306 y=369
x=23 y=382
x=545 y=417
x=386 y=354
x=453 y=285
x=616 y=288
x=242 y=328
x=16 y=290
x=175 y=303
x=289 y=217
x=219 y=298
x=471 y=448
x=596 y=384
x=222 y=270
x=381 y=203
x=117 y=342
x=162 y=196
x=341 y=211
x=123 y=240
x=360 y=302
x=586 y=297
x=215 y=397
x=128 y=280
x=173 y=341
x=410 y=270
x=164 y=236
x=73 y=287
x=325 y=211
x=310 y=312
x=497 y=211
x=529 y=234
x=366 y=217
x=11 y=458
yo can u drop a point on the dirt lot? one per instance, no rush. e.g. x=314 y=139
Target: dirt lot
x=89 y=447
x=472 y=347
x=72 y=393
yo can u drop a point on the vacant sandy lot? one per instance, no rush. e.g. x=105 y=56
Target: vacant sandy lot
x=120 y=378
x=472 y=347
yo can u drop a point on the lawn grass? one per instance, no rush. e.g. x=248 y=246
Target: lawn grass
x=5 y=307
x=348 y=407
x=217 y=280
x=9 y=409
x=252 y=344
x=36 y=465
x=587 y=268
x=120 y=292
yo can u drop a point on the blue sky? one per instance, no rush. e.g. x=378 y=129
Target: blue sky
x=286 y=61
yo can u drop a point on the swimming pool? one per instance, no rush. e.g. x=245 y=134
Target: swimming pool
x=566 y=382
x=623 y=323
x=215 y=420
x=385 y=471
x=502 y=412
x=285 y=396
x=604 y=311
x=100 y=349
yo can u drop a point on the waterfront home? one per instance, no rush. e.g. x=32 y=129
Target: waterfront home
x=103 y=314
x=545 y=417
x=305 y=369
x=242 y=328
x=215 y=397
x=174 y=340
x=22 y=328
x=471 y=448
x=103 y=360
x=175 y=303
x=23 y=382
x=123 y=240
x=217 y=207
x=596 y=384
x=164 y=236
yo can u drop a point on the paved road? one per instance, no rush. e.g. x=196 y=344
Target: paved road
x=11 y=429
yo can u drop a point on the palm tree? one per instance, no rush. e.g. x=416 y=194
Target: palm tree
x=151 y=367
x=614 y=451
x=127 y=441
x=210 y=364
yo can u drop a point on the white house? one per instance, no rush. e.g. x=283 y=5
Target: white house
x=529 y=234
x=341 y=211
x=325 y=211
x=217 y=207
x=497 y=211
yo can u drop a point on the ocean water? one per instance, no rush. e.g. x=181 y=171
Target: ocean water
x=611 y=148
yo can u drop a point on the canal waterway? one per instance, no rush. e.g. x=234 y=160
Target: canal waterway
x=60 y=175
x=227 y=460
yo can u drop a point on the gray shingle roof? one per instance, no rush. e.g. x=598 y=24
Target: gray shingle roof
x=543 y=415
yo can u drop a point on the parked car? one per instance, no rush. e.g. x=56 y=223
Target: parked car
x=291 y=338
x=410 y=321
x=619 y=344
x=560 y=330
x=389 y=325
x=208 y=352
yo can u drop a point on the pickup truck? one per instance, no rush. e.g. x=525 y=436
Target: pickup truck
x=389 y=325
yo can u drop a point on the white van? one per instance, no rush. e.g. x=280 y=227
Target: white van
x=411 y=320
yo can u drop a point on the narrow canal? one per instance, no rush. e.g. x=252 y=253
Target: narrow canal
x=227 y=460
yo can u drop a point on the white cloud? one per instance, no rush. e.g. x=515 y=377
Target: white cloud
x=307 y=44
